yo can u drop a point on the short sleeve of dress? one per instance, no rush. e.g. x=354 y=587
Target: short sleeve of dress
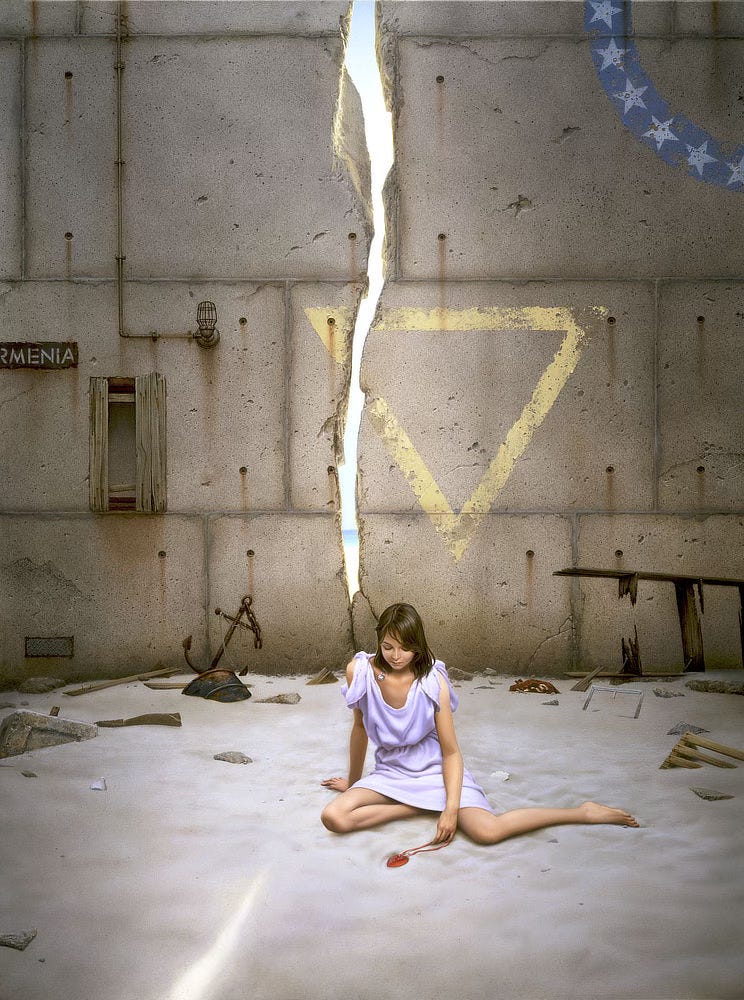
x=354 y=692
x=430 y=685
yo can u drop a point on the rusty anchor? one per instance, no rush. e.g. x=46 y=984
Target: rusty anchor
x=219 y=683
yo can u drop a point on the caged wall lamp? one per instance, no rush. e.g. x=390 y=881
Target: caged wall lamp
x=206 y=320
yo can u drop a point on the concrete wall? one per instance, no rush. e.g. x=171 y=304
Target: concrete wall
x=245 y=176
x=553 y=378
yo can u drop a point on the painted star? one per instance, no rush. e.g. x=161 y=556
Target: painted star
x=661 y=132
x=613 y=56
x=737 y=177
x=699 y=157
x=631 y=96
x=604 y=10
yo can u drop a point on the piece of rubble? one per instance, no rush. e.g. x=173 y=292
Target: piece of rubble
x=718 y=687
x=324 y=676
x=455 y=674
x=553 y=702
x=29 y=774
x=500 y=775
x=233 y=757
x=534 y=685
x=292 y=698
x=18 y=941
x=40 y=685
x=24 y=731
x=710 y=794
x=99 y=786
x=686 y=727
x=666 y=693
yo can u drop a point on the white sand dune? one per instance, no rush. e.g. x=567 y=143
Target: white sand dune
x=194 y=879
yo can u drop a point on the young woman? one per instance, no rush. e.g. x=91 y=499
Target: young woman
x=403 y=701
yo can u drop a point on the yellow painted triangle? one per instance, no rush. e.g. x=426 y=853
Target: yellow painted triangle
x=332 y=334
x=458 y=528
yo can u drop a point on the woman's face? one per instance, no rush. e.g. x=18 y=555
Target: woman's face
x=394 y=653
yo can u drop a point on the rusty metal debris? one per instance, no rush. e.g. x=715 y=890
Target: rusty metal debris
x=217 y=685
x=236 y=621
x=534 y=686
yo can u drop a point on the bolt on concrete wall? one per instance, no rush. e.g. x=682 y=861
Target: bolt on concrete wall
x=245 y=183
x=552 y=377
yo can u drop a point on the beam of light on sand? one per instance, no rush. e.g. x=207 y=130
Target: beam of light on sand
x=197 y=981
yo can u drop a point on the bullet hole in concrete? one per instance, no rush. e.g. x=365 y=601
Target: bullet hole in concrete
x=611 y=320
x=442 y=236
x=530 y=554
x=331 y=470
x=250 y=553
x=68 y=75
x=701 y=319
x=68 y=236
x=701 y=468
x=610 y=469
x=243 y=470
x=331 y=321
x=161 y=554
x=619 y=553
x=242 y=321
x=440 y=79
x=352 y=236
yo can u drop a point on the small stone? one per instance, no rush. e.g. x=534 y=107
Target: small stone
x=500 y=775
x=455 y=674
x=40 y=685
x=292 y=698
x=489 y=672
x=29 y=774
x=666 y=693
x=718 y=687
x=685 y=727
x=553 y=702
x=710 y=794
x=99 y=786
x=233 y=757
x=18 y=941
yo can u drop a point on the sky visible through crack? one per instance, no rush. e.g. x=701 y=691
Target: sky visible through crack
x=361 y=62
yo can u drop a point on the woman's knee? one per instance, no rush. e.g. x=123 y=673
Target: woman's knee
x=335 y=819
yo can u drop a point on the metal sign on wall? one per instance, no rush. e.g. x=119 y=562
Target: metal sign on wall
x=45 y=355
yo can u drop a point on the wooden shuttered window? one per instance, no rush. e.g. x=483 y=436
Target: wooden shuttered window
x=128 y=444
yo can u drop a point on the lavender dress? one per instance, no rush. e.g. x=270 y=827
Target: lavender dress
x=408 y=757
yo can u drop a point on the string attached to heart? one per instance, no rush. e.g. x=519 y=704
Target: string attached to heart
x=398 y=860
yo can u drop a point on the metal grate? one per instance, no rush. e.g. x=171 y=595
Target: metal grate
x=53 y=645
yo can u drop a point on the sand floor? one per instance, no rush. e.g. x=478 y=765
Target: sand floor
x=196 y=879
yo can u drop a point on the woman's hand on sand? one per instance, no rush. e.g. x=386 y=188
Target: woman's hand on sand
x=446 y=827
x=337 y=784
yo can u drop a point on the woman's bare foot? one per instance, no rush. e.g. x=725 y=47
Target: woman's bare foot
x=596 y=813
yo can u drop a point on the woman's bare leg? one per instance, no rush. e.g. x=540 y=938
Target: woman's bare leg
x=486 y=828
x=361 y=808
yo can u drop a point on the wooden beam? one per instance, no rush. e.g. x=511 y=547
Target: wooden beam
x=689 y=626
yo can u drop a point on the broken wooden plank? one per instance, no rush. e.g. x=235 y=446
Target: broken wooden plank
x=693 y=739
x=584 y=683
x=616 y=574
x=673 y=760
x=689 y=626
x=692 y=753
x=100 y=685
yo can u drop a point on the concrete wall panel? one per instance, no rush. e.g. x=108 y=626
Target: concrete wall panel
x=299 y=591
x=521 y=159
x=322 y=318
x=103 y=581
x=71 y=153
x=712 y=18
x=225 y=405
x=246 y=192
x=505 y=17
x=42 y=17
x=470 y=400
x=498 y=607
x=11 y=196
x=712 y=546
x=194 y=17
x=701 y=418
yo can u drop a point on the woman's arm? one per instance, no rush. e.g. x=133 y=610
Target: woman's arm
x=452 y=766
x=357 y=747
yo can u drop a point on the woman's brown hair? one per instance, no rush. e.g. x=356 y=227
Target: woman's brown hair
x=404 y=623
